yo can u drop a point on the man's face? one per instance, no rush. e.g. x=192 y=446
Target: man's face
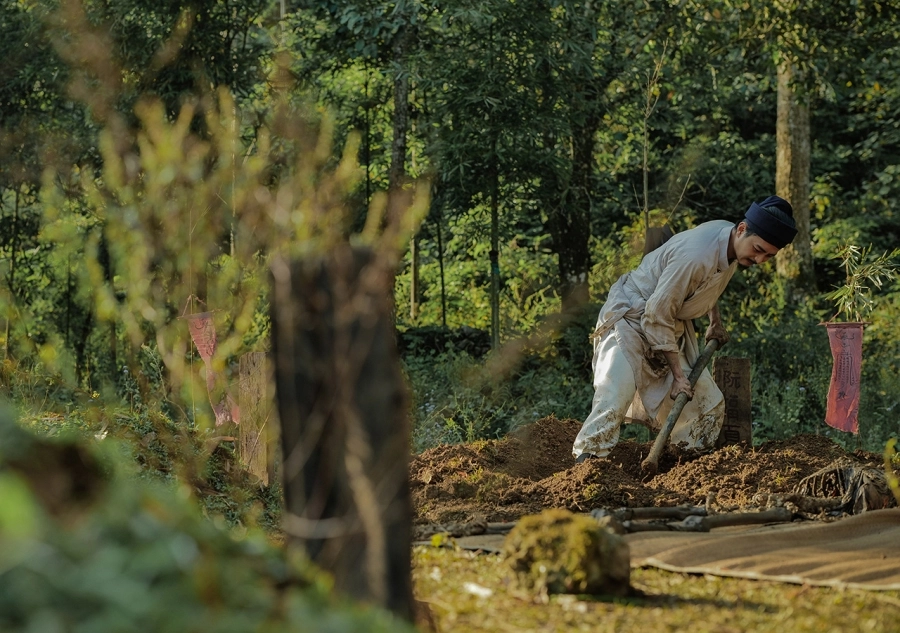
x=751 y=249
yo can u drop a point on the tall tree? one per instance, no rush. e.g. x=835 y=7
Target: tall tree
x=485 y=120
x=605 y=46
x=792 y=163
x=809 y=46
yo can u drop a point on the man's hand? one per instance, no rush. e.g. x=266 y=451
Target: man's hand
x=716 y=330
x=681 y=385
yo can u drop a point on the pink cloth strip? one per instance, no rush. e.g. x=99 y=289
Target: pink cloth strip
x=843 y=393
x=203 y=333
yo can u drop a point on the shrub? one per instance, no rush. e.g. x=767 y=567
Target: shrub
x=134 y=554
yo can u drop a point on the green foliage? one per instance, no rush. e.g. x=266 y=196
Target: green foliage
x=527 y=278
x=161 y=441
x=497 y=89
x=781 y=409
x=458 y=398
x=863 y=275
x=448 y=408
x=788 y=352
x=74 y=68
x=112 y=218
x=890 y=459
x=142 y=558
x=880 y=381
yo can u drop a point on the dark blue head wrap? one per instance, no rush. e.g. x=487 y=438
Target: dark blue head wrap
x=777 y=231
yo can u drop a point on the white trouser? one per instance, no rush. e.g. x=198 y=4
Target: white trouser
x=614 y=389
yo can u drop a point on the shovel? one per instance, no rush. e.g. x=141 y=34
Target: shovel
x=650 y=465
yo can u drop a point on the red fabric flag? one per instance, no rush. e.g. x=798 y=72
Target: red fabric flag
x=203 y=333
x=843 y=393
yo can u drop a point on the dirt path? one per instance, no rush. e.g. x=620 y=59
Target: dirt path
x=533 y=469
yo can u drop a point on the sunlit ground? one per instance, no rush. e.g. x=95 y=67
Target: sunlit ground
x=469 y=592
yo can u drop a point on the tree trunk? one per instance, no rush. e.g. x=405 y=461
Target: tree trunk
x=414 y=290
x=440 y=239
x=792 y=178
x=397 y=174
x=570 y=221
x=342 y=404
x=11 y=280
x=495 y=253
x=368 y=140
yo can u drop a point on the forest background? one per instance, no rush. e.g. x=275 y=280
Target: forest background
x=158 y=158
x=148 y=149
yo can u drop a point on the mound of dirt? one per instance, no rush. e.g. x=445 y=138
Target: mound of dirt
x=533 y=469
x=597 y=483
x=733 y=475
x=538 y=450
x=532 y=452
x=816 y=447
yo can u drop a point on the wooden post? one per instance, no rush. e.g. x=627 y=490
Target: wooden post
x=344 y=423
x=732 y=375
x=255 y=429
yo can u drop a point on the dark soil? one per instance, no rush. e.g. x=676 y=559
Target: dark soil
x=533 y=469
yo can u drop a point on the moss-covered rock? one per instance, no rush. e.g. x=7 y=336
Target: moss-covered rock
x=561 y=552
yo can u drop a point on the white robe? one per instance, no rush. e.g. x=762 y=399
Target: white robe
x=650 y=311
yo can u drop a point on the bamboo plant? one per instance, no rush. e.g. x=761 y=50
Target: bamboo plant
x=863 y=274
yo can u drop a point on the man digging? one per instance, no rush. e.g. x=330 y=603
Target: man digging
x=644 y=343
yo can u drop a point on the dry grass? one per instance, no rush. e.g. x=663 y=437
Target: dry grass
x=449 y=582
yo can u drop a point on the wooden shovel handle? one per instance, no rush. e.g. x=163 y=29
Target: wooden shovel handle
x=651 y=463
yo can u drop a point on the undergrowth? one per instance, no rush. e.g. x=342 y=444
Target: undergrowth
x=127 y=553
x=164 y=444
x=460 y=397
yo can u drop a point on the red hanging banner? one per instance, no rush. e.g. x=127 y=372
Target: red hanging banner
x=203 y=333
x=843 y=393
